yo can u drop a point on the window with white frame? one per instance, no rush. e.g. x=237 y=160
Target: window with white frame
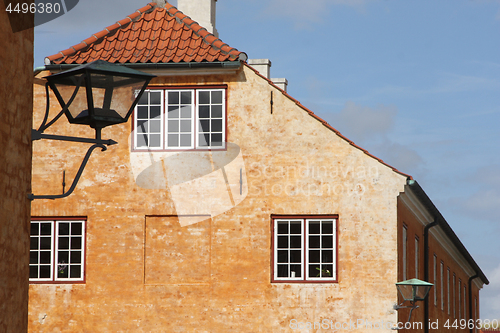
x=57 y=250
x=305 y=249
x=180 y=119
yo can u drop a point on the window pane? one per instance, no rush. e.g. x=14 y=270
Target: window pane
x=144 y=98
x=76 y=243
x=141 y=141
x=217 y=125
x=185 y=140
x=282 y=242
x=46 y=229
x=33 y=257
x=173 y=126
x=63 y=228
x=44 y=272
x=327 y=270
x=155 y=140
x=155 y=126
x=314 y=256
x=62 y=271
x=295 y=256
x=297 y=270
x=314 y=271
x=173 y=140
x=186 y=97
x=282 y=227
x=75 y=271
x=282 y=256
x=314 y=242
x=295 y=227
x=34 y=243
x=327 y=256
x=45 y=243
x=63 y=243
x=45 y=257
x=173 y=97
x=295 y=242
x=76 y=257
x=63 y=257
x=282 y=271
x=204 y=140
x=142 y=126
x=186 y=112
x=314 y=227
x=216 y=111
x=204 y=97
x=155 y=97
x=216 y=139
x=204 y=126
x=173 y=112
x=155 y=112
x=185 y=125
x=142 y=112
x=216 y=97
x=34 y=229
x=327 y=241
x=327 y=227
x=204 y=111
x=33 y=272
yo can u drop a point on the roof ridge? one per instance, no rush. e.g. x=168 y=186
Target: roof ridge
x=325 y=123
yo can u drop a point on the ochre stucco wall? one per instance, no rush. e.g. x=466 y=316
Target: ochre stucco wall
x=16 y=107
x=222 y=282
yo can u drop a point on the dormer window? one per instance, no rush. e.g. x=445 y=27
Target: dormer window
x=181 y=119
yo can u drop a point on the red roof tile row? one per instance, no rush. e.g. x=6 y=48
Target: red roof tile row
x=150 y=35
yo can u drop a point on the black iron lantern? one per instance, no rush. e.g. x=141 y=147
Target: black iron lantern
x=98 y=94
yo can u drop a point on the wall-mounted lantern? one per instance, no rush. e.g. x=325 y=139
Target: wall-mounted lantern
x=97 y=94
x=412 y=290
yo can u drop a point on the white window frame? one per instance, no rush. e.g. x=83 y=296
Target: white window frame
x=195 y=126
x=305 y=260
x=448 y=287
x=435 y=280
x=442 y=285
x=54 y=251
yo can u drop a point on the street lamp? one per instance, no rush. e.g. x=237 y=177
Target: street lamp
x=412 y=290
x=98 y=94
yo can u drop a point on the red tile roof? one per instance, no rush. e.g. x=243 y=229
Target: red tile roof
x=150 y=35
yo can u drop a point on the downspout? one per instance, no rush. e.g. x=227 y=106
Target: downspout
x=470 y=298
x=426 y=271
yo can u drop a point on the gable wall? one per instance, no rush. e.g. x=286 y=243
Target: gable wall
x=293 y=165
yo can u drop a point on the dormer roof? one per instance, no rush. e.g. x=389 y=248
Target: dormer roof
x=152 y=34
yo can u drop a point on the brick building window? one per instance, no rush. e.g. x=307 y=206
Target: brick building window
x=180 y=119
x=305 y=249
x=57 y=250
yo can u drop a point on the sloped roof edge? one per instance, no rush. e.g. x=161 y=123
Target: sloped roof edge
x=325 y=123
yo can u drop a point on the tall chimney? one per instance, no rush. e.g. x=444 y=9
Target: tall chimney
x=202 y=11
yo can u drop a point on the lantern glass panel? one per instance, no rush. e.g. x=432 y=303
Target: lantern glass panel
x=113 y=96
x=66 y=87
x=406 y=291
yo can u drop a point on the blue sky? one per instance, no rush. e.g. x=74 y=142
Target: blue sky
x=416 y=83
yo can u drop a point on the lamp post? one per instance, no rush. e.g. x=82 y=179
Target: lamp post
x=98 y=94
x=412 y=290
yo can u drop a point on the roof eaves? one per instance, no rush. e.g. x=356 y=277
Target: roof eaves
x=427 y=202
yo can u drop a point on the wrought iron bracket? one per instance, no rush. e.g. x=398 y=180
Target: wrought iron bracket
x=77 y=177
x=401 y=306
x=38 y=135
